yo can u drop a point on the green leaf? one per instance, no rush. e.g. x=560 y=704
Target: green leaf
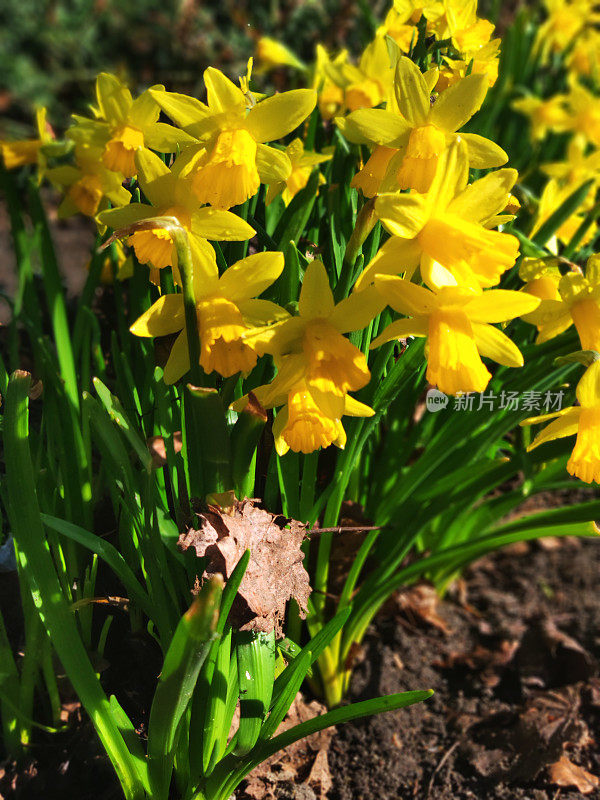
x=109 y=554
x=189 y=647
x=49 y=600
x=256 y=675
x=562 y=214
x=114 y=408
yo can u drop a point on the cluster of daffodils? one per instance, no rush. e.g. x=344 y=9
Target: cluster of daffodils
x=163 y=164
x=569 y=40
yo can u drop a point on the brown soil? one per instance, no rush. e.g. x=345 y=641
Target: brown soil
x=515 y=674
x=73 y=240
x=515 y=680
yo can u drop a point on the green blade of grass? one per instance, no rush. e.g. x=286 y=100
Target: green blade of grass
x=54 y=611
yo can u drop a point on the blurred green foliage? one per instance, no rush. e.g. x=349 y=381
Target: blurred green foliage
x=51 y=50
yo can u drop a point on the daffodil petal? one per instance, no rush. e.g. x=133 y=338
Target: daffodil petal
x=538 y=419
x=374 y=126
x=494 y=344
x=435 y=275
x=456 y=105
x=183 y=110
x=316 y=297
x=404 y=296
x=273 y=165
x=400 y=329
x=250 y=276
x=257 y=312
x=222 y=94
x=204 y=260
x=588 y=388
x=277 y=338
x=354 y=408
x=483 y=153
x=117 y=218
x=499 y=305
x=412 y=92
x=114 y=98
x=485 y=197
x=279 y=423
x=164 y=317
x=152 y=172
x=329 y=404
x=557 y=319
x=166 y=138
x=355 y=312
x=145 y=110
x=403 y=215
x=275 y=117
x=395 y=257
x=566 y=425
x=178 y=362
x=451 y=176
x=220 y=225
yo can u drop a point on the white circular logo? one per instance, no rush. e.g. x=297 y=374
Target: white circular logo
x=436 y=400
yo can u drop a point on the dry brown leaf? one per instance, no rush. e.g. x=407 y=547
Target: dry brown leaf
x=304 y=761
x=275 y=573
x=565 y=773
x=421 y=601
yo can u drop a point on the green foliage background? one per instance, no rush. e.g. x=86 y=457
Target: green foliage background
x=51 y=51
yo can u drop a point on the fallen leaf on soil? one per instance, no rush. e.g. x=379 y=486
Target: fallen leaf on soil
x=275 y=572
x=565 y=773
x=514 y=748
x=488 y=663
x=548 y=657
x=421 y=601
x=304 y=762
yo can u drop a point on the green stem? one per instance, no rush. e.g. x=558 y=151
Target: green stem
x=184 y=262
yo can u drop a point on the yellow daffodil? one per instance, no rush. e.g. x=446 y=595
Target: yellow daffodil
x=542 y=278
x=578 y=167
x=170 y=192
x=484 y=62
x=88 y=185
x=400 y=25
x=553 y=196
x=303 y=162
x=330 y=96
x=33 y=151
x=305 y=423
x=584 y=57
x=363 y=86
x=566 y=19
x=583 y=112
x=583 y=420
x=544 y=115
x=578 y=303
x=419 y=131
x=456 y=323
x=444 y=232
x=271 y=54
x=332 y=365
x=234 y=158
x=225 y=308
x=460 y=23
x=123 y=125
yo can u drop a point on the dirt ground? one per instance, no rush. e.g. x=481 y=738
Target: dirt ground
x=73 y=239
x=512 y=653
